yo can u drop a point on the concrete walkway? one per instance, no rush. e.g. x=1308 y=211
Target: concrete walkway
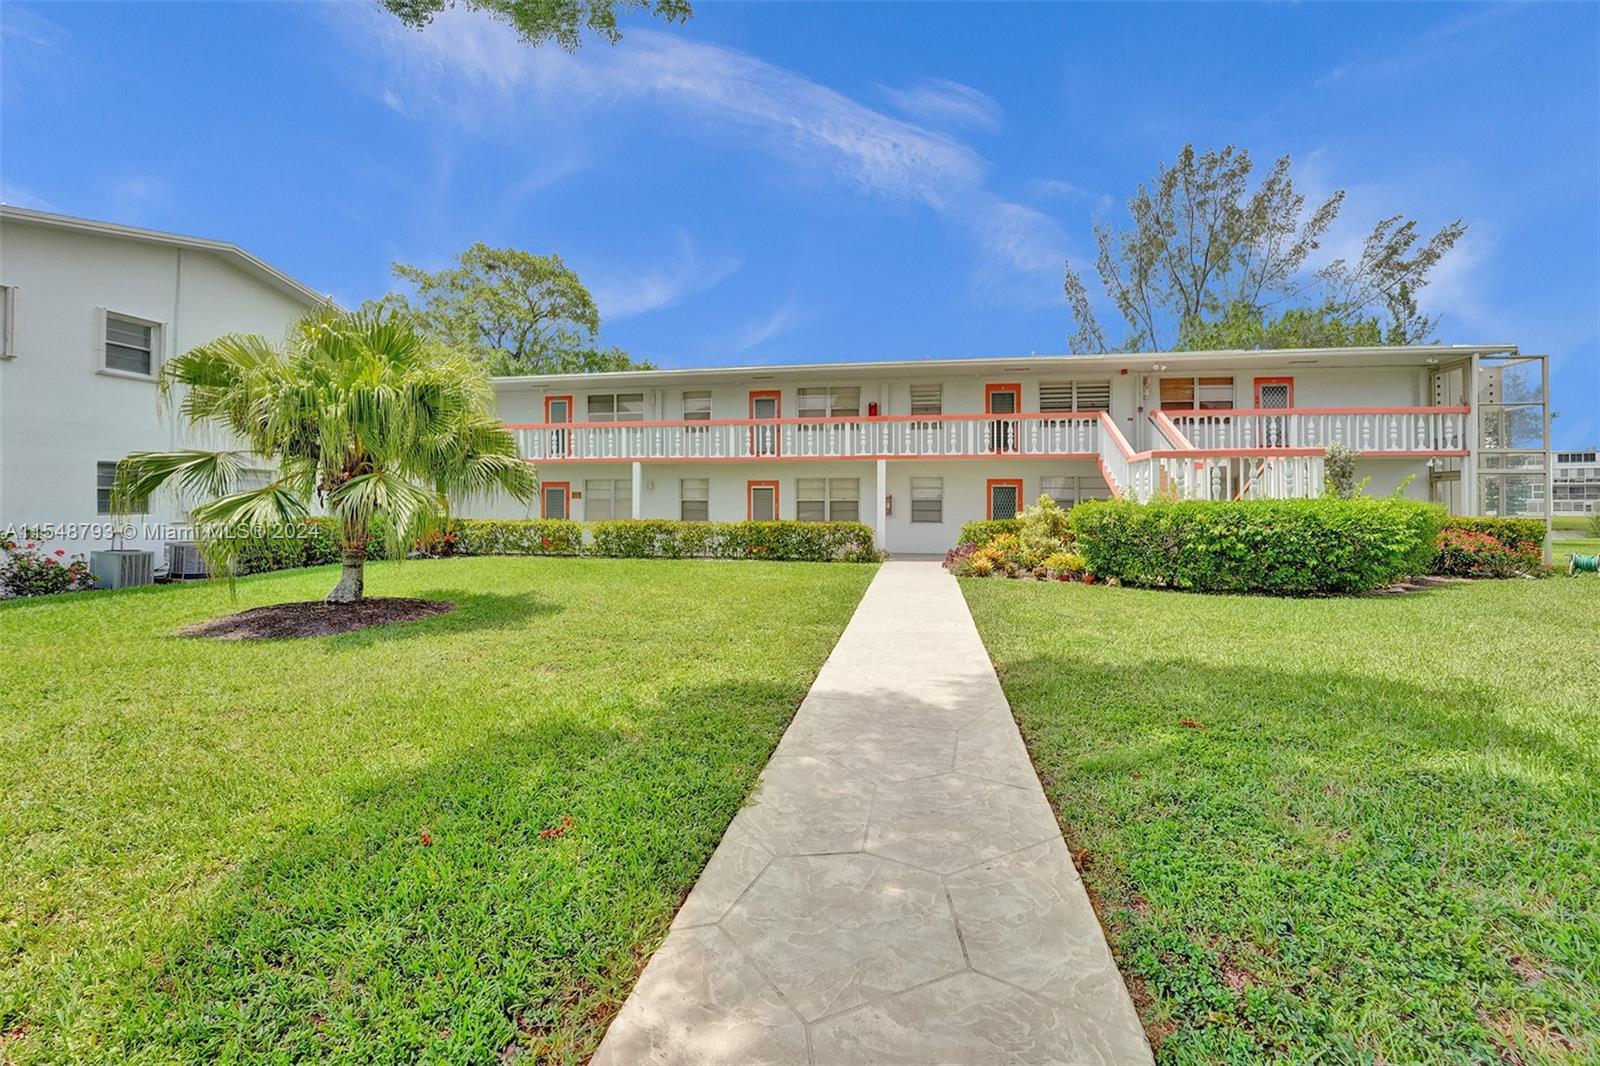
x=898 y=890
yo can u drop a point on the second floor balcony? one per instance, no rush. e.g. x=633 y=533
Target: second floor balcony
x=1066 y=435
x=1368 y=430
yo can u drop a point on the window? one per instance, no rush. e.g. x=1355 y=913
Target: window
x=827 y=499
x=130 y=345
x=8 y=314
x=1063 y=490
x=616 y=407
x=927 y=400
x=1069 y=491
x=694 y=499
x=608 y=498
x=697 y=405
x=838 y=401
x=1189 y=394
x=105 y=482
x=1075 y=396
x=927 y=499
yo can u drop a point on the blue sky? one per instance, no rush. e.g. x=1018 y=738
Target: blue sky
x=784 y=182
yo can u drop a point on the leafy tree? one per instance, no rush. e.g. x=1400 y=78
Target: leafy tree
x=517 y=312
x=1208 y=259
x=540 y=21
x=357 y=412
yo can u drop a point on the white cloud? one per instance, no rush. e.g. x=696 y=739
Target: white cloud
x=946 y=103
x=473 y=73
x=762 y=329
x=636 y=291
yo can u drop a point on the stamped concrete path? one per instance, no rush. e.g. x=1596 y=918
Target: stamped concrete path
x=897 y=890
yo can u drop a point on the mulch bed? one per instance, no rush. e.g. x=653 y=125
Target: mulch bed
x=315 y=619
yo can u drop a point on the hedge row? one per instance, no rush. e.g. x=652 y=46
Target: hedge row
x=1284 y=547
x=812 y=542
x=314 y=542
x=984 y=530
x=1506 y=530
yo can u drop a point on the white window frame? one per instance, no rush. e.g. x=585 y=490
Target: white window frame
x=1074 y=398
x=936 y=407
x=614 y=397
x=703 y=487
x=1195 y=387
x=8 y=321
x=926 y=485
x=832 y=406
x=831 y=499
x=698 y=414
x=158 y=336
x=610 y=497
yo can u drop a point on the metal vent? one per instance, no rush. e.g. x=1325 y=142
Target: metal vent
x=122 y=569
x=927 y=399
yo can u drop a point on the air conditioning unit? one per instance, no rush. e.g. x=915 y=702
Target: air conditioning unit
x=122 y=569
x=184 y=561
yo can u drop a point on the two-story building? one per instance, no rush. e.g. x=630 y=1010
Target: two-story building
x=90 y=312
x=916 y=448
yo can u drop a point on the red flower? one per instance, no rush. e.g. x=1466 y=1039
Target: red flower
x=61 y=551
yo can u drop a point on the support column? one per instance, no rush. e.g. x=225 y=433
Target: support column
x=638 y=486
x=880 y=525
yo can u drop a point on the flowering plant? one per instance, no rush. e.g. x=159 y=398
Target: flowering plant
x=1469 y=553
x=28 y=570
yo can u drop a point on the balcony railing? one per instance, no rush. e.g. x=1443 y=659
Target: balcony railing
x=1050 y=435
x=1371 y=430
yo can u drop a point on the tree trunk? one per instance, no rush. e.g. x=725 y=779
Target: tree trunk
x=348 y=590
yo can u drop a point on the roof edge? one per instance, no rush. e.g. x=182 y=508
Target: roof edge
x=251 y=262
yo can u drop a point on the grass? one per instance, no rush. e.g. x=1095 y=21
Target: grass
x=1570 y=522
x=1562 y=550
x=443 y=840
x=1341 y=830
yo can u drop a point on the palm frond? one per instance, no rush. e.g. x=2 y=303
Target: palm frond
x=195 y=473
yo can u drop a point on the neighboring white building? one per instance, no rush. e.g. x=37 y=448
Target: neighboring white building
x=1575 y=482
x=917 y=448
x=91 y=311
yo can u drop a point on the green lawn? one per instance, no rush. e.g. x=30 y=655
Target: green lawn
x=1342 y=830
x=438 y=841
x=1562 y=550
x=1570 y=521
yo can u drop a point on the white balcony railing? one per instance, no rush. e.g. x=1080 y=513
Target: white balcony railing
x=1387 y=430
x=1048 y=435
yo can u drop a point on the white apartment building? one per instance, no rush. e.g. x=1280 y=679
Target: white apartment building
x=916 y=448
x=91 y=310
x=1575 y=482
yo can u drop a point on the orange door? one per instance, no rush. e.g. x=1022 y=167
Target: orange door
x=555 y=499
x=1004 y=497
x=1002 y=400
x=764 y=407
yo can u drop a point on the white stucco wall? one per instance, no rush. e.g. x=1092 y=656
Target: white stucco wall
x=60 y=413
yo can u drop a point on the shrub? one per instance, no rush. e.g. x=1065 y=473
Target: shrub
x=1510 y=530
x=29 y=570
x=818 y=542
x=958 y=560
x=982 y=532
x=1591 y=524
x=1339 y=470
x=309 y=542
x=1043 y=529
x=518 y=536
x=1469 y=553
x=1065 y=566
x=1284 y=547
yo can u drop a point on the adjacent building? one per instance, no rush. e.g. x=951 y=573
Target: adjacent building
x=1575 y=483
x=91 y=311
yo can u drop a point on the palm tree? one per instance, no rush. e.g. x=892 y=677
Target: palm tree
x=357 y=412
